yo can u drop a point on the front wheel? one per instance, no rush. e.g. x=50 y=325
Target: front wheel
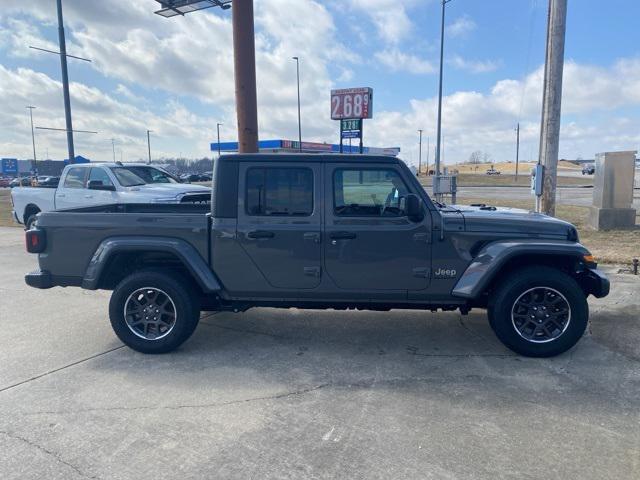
x=153 y=312
x=539 y=312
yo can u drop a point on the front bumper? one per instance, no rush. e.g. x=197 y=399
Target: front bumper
x=39 y=279
x=596 y=282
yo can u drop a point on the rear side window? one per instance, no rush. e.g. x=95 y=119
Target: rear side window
x=75 y=178
x=368 y=193
x=279 y=191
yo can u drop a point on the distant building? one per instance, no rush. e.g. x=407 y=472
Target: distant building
x=291 y=146
x=45 y=167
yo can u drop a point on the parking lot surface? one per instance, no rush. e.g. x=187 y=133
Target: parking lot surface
x=304 y=394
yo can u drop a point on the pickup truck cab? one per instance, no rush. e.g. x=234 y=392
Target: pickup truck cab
x=104 y=183
x=321 y=231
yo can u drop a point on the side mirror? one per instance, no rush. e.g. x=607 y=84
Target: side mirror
x=98 y=185
x=413 y=207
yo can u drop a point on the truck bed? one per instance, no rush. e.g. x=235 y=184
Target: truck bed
x=75 y=234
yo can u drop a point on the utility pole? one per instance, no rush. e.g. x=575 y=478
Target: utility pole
x=244 y=50
x=299 y=117
x=113 y=147
x=439 y=129
x=551 y=104
x=33 y=140
x=218 y=128
x=149 y=144
x=517 y=149
x=420 y=154
x=65 y=83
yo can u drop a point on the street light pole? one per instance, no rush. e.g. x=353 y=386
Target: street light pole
x=113 y=147
x=420 y=154
x=65 y=83
x=517 y=149
x=218 y=128
x=149 y=144
x=33 y=140
x=428 y=148
x=439 y=128
x=297 y=59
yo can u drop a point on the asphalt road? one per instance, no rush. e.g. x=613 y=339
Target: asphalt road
x=309 y=395
x=575 y=195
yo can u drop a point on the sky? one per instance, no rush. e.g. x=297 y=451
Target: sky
x=175 y=76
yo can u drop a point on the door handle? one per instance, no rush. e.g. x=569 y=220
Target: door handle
x=88 y=196
x=257 y=234
x=312 y=237
x=342 y=236
x=60 y=195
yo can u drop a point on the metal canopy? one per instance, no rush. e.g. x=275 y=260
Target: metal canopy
x=172 y=8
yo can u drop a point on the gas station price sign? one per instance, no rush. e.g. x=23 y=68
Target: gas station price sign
x=351 y=124
x=351 y=103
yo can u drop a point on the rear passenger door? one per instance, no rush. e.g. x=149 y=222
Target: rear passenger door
x=279 y=222
x=100 y=197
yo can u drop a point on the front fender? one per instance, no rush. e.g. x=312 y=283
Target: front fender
x=490 y=260
x=187 y=254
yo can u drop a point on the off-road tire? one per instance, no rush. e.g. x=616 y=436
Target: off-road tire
x=31 y=221
x=183 y=302
x=512 y=288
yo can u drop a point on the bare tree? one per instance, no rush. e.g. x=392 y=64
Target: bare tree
x=475 y=157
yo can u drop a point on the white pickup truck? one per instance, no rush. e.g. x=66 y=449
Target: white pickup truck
x=83 y=185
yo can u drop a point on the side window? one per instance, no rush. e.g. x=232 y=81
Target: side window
x=99 y=175
x=75 y=178
x=368 y=193
x=279 y=191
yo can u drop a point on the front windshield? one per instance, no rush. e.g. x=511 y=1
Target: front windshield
x=132 y=176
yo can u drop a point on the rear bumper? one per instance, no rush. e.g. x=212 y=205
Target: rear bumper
x=43 y=279
x=596 y=283
x=39 y=279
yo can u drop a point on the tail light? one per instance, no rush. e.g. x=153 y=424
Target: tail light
x=36 y=240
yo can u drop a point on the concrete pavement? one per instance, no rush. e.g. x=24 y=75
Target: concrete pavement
x=302 y=394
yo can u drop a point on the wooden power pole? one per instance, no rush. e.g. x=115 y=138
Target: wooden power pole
x=244 y=51
x=551 y=104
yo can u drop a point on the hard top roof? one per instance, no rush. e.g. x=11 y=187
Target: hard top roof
x=309 y=157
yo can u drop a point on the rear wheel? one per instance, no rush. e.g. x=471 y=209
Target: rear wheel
x=31 y=221
x=153 y=312
x=539 y=312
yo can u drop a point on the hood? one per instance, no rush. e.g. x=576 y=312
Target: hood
x=169 y=189
x=481 y=218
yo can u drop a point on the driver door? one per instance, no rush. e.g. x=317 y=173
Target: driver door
x=370 y=244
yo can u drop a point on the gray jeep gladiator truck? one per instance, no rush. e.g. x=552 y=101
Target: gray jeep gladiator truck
x=320 y=231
